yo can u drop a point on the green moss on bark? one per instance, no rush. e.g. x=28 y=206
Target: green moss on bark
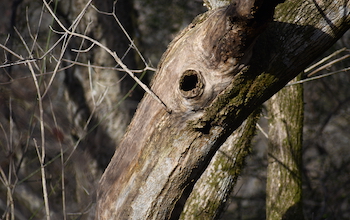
x=284 y=189
x=211 y=192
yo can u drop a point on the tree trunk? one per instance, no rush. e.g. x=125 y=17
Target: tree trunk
x=284 y=189
x=211 y=79
x=212 y=190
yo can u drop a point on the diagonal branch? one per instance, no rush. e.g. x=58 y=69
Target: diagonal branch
x=213 y=76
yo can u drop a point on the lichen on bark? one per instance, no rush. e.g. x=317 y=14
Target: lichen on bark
x=284 y=189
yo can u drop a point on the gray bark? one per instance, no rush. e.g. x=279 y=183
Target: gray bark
x=284 y=189
x=210 y=85
x=211 y=192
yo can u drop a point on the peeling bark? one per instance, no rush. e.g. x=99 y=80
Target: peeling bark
x=211 y=78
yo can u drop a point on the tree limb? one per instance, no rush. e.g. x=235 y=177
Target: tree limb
x=211 y=78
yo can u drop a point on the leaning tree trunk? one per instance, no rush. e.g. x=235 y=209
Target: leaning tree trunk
x=284 y=189
x=211 y=192
x=211 y=78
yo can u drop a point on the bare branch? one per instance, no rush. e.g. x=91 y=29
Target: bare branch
x=324 y=60
x=42 y=133
x=318 y=77
x=113 y=54
x=113 y=13
x=328 y=65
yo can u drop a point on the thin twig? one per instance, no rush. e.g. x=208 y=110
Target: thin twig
x=18 y=62
x=62 y=163
x=11 y=52
x=110 y=68
x=113 y=13
x=318 y=77
x=42 y=133
x=7 y=183
x=27 y=48
x=114 y=55
x=328 y=65
x=324 y=60
x=262 y=130
x=67 y=37
x=72 y=63
x=90 y=82
x=85 y=50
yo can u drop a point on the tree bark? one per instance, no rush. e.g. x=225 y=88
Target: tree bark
x=212 y=190
x=211 y=78
x=284 y=188
x=214 y=4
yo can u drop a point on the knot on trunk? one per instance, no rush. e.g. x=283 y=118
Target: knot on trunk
x=191 y=84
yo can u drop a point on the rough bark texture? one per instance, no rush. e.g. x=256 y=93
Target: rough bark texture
x=284 y=189
x=212 y=190
x=205 y=80
x=214 y=4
